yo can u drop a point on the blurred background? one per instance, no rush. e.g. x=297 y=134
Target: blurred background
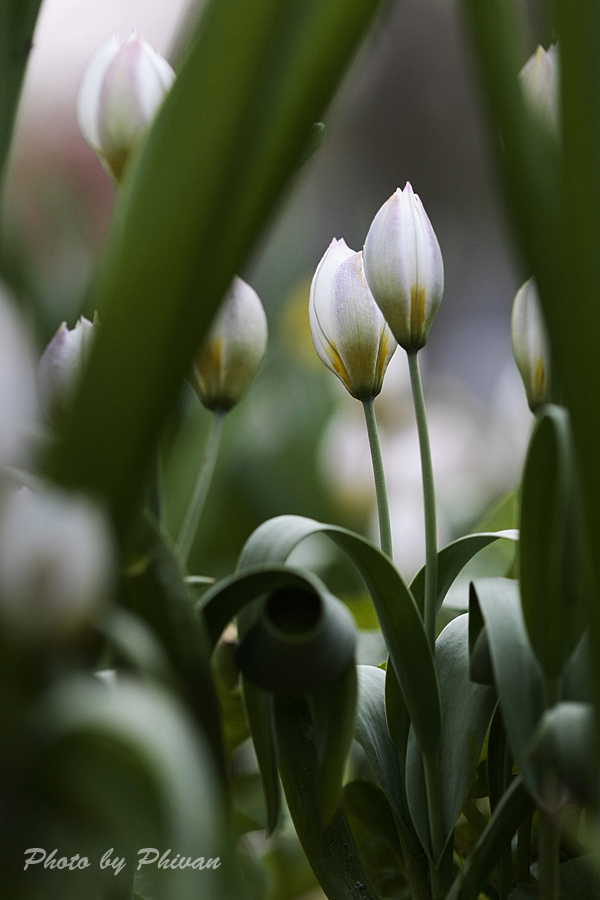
x=408 y=110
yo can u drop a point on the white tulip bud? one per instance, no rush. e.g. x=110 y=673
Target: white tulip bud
x=61 y=367
x=404 y=268
x=348 y=330
x=232 y=350
x=540 y=85
x=121 y=90
x=56 y=564
x=530 y=345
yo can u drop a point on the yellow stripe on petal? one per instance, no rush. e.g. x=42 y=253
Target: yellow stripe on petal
x=417 y=316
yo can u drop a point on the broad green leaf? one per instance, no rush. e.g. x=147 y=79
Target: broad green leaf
x=229 y=692
x=396 y=609
x=551 y=563
x=452 y=560
x=510 y=812
x=231 y=132
x=397 y=717
x=373 y=736
x=577 y=880
x=466 y=712
x=575 y=338
x=372 y=823
x=330 y=849
x=260 y=712
x=124 y=767
x=565 y=741
x=517 y=675
x=154 y=589
x=576 y=683
x=17 y=23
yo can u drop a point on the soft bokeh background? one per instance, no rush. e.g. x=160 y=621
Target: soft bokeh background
x=408 y=110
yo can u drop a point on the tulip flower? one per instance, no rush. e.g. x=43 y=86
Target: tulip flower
x=348 y=330
x=61 y=367
x=404 y=268
x=56 y=563
x=121 y=90
x=539 y=83
x=530 y=345
x=232 y=350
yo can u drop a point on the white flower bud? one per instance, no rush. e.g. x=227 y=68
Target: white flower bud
x=56 y=564
x=404 y=268
x=348 y=330
x=61 y=367
x=540 y=84
x=232 y=350
x=530 y=345
x=121 y=90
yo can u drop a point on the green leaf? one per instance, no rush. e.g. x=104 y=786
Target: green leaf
x=396 y=609
x=452 y=560
x=466 y=712
x=517 y=674
x=124 y=767
x=17 y=23
x=565 y=740
x=260 y=712
x=153 y=587
x=397 y=716
x=372 y=823
x=330 y=849
x=510 y=812
x=551 y=562
x=373 y=736
x=223 y=147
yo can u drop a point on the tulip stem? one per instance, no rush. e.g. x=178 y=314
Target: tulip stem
x=385 y=530
x=189 y=526
x=431 y=553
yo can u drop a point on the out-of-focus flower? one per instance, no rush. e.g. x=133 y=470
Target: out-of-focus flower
x=404 y=268
x=56 y=563
x=349 y=333
x=17 y=384
x=530 y=345
x=233 y=349
x=61 y=367
x=121 y=90
x=539 y=83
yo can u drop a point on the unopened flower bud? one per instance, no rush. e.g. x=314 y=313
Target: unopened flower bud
x=539 y=83
x=348 y=330
x=61 y=367
x=404 y=268
x=530 y=345
x=56 y=564
x=121 y=90
x=232 y=350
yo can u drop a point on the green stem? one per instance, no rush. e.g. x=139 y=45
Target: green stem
x=415 y=862
x=385 y=530
x=431 y=554
x=189 y=525
x=524 y=850
x=434 y=804
x=155 y=487
x=549 y=846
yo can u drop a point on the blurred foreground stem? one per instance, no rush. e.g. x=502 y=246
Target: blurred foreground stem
x=190 y=522
x=428 y=499
x=385 y=531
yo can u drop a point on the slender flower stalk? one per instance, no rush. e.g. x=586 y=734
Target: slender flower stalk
x=431 y=552
x=189 y=526
x=385 y=530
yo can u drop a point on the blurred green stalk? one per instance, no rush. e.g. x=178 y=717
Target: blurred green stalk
x=385 y=529
x=189 y=526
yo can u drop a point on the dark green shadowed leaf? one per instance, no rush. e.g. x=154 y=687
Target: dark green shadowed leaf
x=518 y=677
x=17 y=23
x=330 y=849
x=453 y=558
x=551 y=561
x=396 y=609
x=229 y=136
x=565 y=741
x=466 y=712
x=153 y=587
x=512 y=809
